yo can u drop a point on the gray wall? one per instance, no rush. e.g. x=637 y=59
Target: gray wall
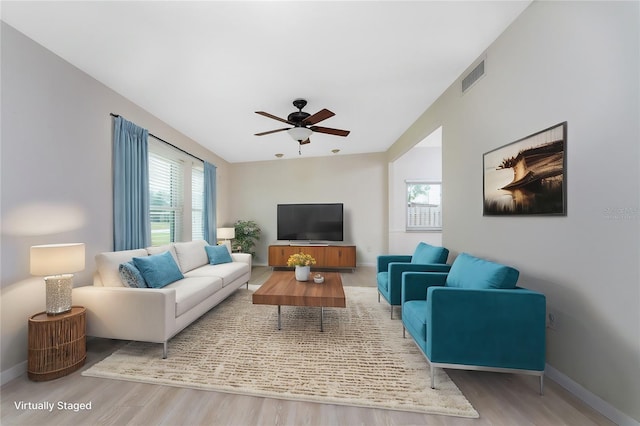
x=358 y=181
x=56 y=173
x=560 y=61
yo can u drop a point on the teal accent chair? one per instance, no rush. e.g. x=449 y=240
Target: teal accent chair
x=390 y=268
x=475 y=318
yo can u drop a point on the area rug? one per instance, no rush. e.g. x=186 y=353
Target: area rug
x=361 y=358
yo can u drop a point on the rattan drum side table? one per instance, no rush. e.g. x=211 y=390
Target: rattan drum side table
x=57 y=344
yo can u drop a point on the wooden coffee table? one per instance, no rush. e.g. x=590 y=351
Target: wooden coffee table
x=282 y=289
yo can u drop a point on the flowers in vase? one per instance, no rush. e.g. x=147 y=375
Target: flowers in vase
x=301 y=259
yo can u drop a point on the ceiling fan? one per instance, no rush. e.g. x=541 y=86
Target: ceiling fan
x=303 y=123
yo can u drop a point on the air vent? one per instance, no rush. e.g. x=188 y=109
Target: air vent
x=473 y=76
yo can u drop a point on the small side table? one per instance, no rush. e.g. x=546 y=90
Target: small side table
x=57 y=344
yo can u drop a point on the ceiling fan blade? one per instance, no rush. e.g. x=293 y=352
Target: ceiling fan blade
x=323 y=114
x=271 y=131
x=304 y=142
x=266 y=114
x=330 y=131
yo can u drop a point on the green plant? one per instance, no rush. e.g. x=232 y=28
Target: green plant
x=247 y=234
x=301 y=259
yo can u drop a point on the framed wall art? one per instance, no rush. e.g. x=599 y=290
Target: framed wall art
x=528 y=176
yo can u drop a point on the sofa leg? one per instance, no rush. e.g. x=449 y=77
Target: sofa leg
x=164 y=350
x=391 y=311
x=378 y=297
x=541 y=384
x=433 y=377
x=404 y=332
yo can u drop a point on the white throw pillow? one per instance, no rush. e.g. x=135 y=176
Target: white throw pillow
x=191 y=255
x=108 y=264
x=161 y=249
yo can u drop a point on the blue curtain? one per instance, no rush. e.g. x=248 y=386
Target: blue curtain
x=131 y=223
x=209 y=210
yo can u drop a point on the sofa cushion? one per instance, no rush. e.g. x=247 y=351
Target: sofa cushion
x=383 y=280
x=158 y=270
x=108 y=265
x=191 y=255
x=474 y=273
x=191 y=291
x=414 y=312
x=426 y=253
x=161 y=249
x=218 y=254
x=228 y=272
x=131 y=276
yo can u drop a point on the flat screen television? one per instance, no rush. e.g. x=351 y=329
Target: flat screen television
x=311 y=222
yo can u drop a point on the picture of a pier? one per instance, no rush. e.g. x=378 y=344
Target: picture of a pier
x=527 y=177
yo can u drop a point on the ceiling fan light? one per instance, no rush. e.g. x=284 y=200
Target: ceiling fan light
x=299 y=134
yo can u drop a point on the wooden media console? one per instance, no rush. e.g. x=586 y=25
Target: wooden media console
x=326 y=256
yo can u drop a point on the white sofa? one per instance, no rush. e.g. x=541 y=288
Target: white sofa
x=115 y=311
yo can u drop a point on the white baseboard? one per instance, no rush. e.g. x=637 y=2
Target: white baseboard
x=592 y=400
x=13 y=372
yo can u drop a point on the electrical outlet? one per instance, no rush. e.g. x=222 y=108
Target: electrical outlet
x=552 y=320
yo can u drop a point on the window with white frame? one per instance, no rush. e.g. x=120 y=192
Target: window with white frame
x=176 y=190
x=424 y=206
x=197 y=203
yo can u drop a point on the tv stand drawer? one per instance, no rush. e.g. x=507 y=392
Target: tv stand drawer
x=328 y=256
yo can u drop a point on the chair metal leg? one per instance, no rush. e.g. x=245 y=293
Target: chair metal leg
x=164 y=350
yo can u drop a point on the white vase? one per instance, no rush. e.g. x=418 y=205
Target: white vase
x=302 y=273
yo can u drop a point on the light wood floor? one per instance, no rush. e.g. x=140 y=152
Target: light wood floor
x=501 y=399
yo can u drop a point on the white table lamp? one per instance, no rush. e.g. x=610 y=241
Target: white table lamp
x=226 y=234
x=57 y=262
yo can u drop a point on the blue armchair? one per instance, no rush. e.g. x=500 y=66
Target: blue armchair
x=475 y=318
x=390 y=268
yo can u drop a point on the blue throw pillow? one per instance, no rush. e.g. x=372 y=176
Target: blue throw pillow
x=131 y=276
x=425 y=254
x=474 y=273
x=218 y=254
x=158 y=270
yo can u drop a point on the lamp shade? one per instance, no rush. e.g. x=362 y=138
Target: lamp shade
x=299 y=133
x=55 y=259
x=226 y=233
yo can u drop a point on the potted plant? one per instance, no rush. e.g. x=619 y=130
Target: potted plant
x=302 y=263
x=247 y=234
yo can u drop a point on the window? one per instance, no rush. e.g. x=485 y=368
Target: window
x=176 y=189
x=197 y=203
x=424 y=206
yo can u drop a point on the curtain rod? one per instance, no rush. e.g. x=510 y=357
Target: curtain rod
x=162 y=140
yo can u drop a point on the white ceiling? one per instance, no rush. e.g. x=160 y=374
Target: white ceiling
x=204 y=67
